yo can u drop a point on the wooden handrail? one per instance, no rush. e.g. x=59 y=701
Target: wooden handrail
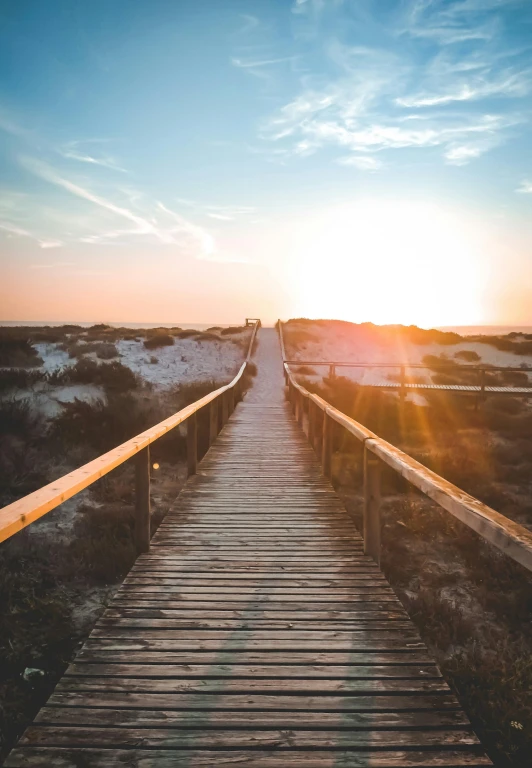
x=511 y=538
x=252 y=340
x=25 y=511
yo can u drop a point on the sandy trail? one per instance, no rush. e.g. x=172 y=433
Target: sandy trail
x=268 y=387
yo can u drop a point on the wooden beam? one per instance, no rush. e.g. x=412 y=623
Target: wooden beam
x=192 y=444
x=372 y=506
x=225 y=409
x=326 y=446
x=142 y=501
x=213 y=421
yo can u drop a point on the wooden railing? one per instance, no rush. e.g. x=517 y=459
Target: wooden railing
x=512 y=539
x=221 y=402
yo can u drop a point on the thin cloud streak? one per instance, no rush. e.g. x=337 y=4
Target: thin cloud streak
x=14 y=229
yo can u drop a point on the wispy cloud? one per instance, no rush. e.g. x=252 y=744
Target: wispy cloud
x=47 y=173
x=73 y=151
x=220 y=212
x=365 y=102
x=149 y=218
x=506 y=84
x=14 y=229
x=361 y=162
x=525 y=188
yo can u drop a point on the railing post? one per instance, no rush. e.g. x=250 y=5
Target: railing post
x=332 y=371
x=326 y=446
x=311 y=423
x=192 y=444
x=297 y=405
x=225 y=409
x=142 y=500
x=231 y=400
x=402 y=389
x=213 y=421
x=372 y=506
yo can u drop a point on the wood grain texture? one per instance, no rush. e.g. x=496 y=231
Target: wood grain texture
x=255 y=632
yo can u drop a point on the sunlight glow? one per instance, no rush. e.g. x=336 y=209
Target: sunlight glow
x=388 y=262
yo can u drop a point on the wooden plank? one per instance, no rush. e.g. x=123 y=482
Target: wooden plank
x=279 y=686
x=211 y=738
x=249 y=702
x=28 y=757
x=341 y=721
x=238 y=669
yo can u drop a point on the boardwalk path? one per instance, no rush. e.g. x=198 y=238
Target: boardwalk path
x=255 y=632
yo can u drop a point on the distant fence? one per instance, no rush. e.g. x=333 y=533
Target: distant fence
x=512 y=539
x=221 y=402
x=480 y=373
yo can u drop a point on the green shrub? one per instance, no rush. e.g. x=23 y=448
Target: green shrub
x=106 y=351
x=113 y=377
x=188 y=333
x=232 y=330
x=101 y=425
x=469 y=355
x=160 y=340
x=17 y=418
x=18 y=353
x=19 y=378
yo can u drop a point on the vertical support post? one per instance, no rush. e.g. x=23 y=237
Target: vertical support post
x=332 y=371
x=231 y=400
x=192 y=444
x=482 y=382
x=297 y=405
x=142 y=500
x=225 y=409
x=372 y=506
x=326 y=446
x=402 y=390
x=213 y=421
x=311 y=423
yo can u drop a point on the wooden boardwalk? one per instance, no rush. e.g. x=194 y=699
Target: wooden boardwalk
x=254 y=633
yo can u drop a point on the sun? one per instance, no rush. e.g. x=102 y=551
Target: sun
x=388 y=262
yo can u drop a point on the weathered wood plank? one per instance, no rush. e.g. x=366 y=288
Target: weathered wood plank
x=278 y=738
x=30 y=757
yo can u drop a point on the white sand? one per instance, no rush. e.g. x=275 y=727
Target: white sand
x=185 y=362
x=47 y=399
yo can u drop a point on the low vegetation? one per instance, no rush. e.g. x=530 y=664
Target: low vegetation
x=18 y=353
x=159 y=340
x=468 y=355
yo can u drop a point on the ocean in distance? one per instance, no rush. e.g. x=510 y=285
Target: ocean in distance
x=463 y=330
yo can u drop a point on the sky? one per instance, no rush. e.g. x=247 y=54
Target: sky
x=208 y=160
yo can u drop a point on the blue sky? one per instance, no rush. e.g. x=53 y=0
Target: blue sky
x=196 y=160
